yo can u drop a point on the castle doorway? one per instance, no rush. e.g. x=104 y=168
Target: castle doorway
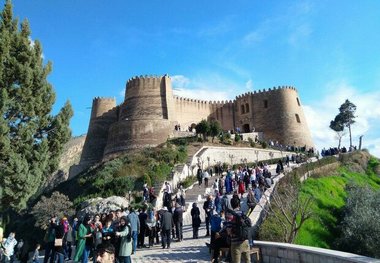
x=246 y=128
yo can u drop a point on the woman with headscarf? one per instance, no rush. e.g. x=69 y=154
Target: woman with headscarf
x=84 y=233
x=195 y=220
x=125 y=249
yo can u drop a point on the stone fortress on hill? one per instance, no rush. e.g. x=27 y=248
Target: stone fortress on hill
x=150 y=111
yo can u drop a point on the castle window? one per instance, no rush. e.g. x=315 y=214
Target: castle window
x=298 y=102
x=265 y=103
x=298 y=118
x=242 y=109
x=247 y=107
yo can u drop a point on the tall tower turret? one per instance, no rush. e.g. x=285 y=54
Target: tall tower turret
x=103 y=114
x=146 y=116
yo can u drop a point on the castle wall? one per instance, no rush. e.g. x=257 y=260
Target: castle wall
x=103 y=114
x=224 y=112
x=190 y=111
x=150 y=111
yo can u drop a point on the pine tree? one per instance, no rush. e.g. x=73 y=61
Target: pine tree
x=31 y=139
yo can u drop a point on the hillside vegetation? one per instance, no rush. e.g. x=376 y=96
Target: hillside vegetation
x=329 y=190
x=125 y=173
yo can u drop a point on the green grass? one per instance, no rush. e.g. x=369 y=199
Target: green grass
x=329 y=198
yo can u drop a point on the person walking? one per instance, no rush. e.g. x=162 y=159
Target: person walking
x=135 y=226
x=9 y=248
x=209 y=207
x=49 y=239
x=166 y=227
x=239 y=244
x=195 y=220
x=178 y=221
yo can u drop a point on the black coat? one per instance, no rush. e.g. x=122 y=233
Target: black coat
x=166 y=221
x=195 y=217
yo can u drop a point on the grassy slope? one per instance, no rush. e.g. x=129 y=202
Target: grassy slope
x=329 y=193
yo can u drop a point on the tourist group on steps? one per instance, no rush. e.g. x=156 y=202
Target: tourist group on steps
x=115 y=236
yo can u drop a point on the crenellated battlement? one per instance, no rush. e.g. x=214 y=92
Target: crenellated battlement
x=145 y=80
x=103 y=99
x=150 y=112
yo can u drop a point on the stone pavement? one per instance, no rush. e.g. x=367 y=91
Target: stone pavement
x=186 y=251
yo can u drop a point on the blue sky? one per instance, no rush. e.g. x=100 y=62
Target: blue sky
x=328 y=50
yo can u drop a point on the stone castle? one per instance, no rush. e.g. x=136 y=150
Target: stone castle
x=150 y=111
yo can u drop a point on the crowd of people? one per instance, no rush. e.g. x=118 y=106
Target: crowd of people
x=122 y=232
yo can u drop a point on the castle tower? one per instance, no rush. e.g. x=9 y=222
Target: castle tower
x=279 y=114
x=146 y=117
x=103 y=114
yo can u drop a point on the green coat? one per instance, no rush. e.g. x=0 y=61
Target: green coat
x=82 y=232
x=125 y=247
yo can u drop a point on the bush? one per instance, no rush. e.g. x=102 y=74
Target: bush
x=188 y=181
x=237 y=138
x=264 y=145
x=57 y=204
x=361 y=226
x=251 y=142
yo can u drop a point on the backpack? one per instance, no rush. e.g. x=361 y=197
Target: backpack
x=243 y=226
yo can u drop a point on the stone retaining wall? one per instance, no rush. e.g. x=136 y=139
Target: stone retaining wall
x=289 y=253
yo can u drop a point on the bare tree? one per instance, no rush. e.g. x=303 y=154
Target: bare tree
x=289 y=209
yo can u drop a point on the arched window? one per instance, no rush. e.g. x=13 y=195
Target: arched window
x=298 y=102
x=298 y=118
x=242 y=109
x=265 y=103
x=247 y=107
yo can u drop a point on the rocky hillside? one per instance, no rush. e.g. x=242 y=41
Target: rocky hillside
x=71 y=155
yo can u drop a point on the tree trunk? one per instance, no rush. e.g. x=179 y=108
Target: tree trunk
x=349 y=129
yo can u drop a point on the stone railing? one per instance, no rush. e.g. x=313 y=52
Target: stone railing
x=213 y=155
x=282 y=252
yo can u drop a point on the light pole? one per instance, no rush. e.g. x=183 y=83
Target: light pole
x=231 y=157
x=257 y=156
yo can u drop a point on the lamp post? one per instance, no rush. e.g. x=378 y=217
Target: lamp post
x=231 y=156
x=257 y=156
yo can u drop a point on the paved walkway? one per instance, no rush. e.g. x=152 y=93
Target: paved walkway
x=186 y=251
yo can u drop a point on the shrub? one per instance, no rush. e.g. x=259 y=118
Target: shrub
x=237 y=138
x=251 y=142
x=360 y=226
x=189 y=181
x=264 y=145
x=58 y=204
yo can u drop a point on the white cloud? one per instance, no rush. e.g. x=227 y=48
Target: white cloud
x=299 y=34
x=249 y=84
x=202 y=94
x=319 y=115
x=213 y=88
x=122 y=93
x=179 y=81
x=32 y=43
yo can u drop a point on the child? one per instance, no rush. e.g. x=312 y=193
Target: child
x=36 y=254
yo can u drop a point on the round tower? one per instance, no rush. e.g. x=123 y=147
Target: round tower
x=146 y=115
x=279 y=115
x=103 y=114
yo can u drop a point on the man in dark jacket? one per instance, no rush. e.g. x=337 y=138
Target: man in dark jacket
x=209 y=207
x=178 y=221
x=166 y=227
